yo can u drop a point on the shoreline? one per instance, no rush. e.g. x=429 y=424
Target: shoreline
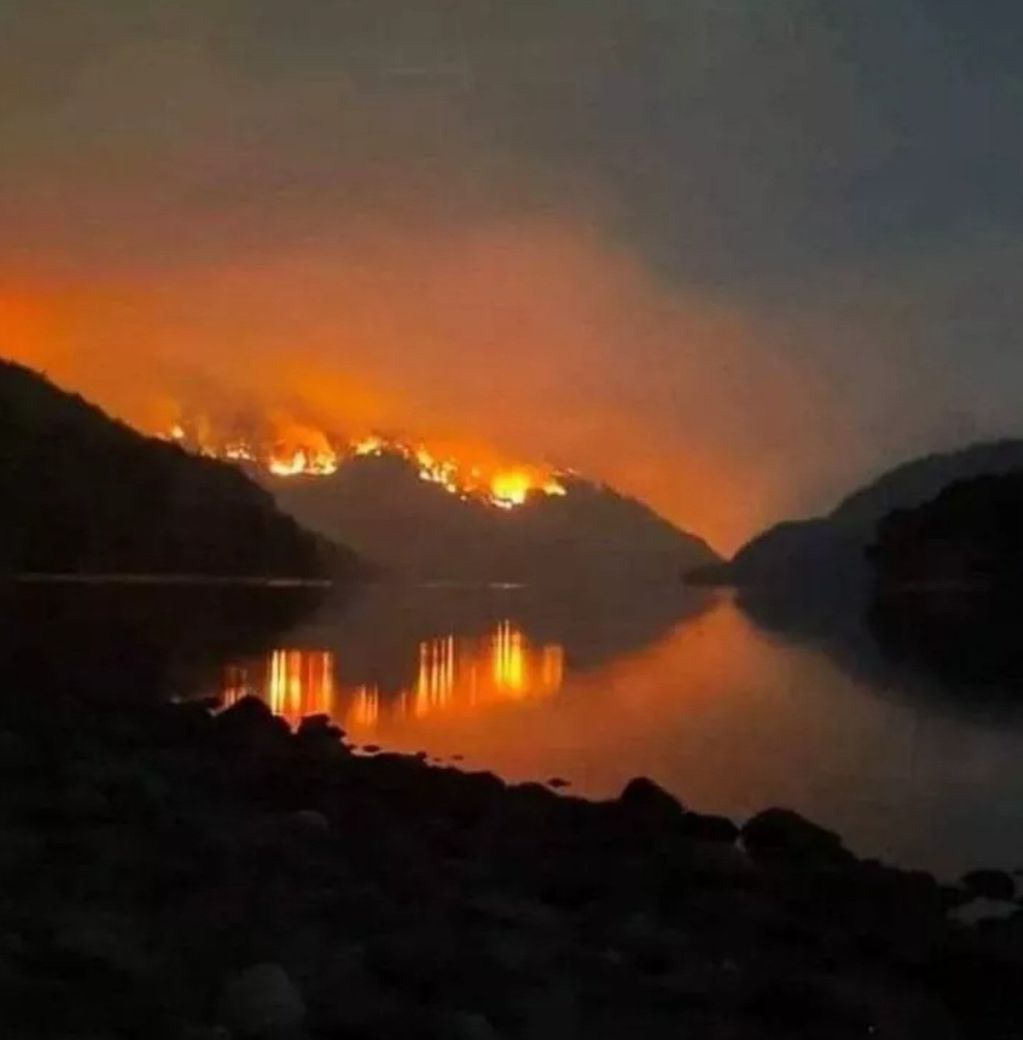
x=174 y=872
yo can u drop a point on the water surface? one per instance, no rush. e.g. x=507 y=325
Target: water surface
x=706 y=696
x=913 y=752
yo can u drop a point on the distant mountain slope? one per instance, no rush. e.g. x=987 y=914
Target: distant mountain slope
x=920 y=480
x=830 y=549
x=949 y=583
x=970 y=536
x=380 y=507
x=82 y=493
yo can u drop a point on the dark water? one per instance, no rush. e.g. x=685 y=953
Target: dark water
x=733 y=706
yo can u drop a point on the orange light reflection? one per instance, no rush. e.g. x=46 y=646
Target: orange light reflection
x=454 y=675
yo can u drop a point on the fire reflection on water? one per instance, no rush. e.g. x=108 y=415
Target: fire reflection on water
x=453 y=675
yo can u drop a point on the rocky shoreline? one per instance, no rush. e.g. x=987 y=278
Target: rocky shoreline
x=173 y=872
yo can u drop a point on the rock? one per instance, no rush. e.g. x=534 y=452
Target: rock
x=345 y=996
x=414 y=956
x=714 y=862
x=192 y=1031
x=317 y=724
x=21 y=847
x=249 y=712
x=983 y=909
x=558 y=782
x=250 y=723
x=647 y=944
x=259 y=1001
x=368 y=1011
x=469 y=1025
x=551 y=1013
x=83 y=801
x=644 y=802
x=784 y=834
x=12 y=946
x=705 y=827
x=371 y=749
x=15 y=752
x=807 y=1007
x=310 y=821
x=991 y=884
x=105 y=938
x=515 y=911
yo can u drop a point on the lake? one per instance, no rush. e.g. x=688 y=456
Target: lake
x=732 y=706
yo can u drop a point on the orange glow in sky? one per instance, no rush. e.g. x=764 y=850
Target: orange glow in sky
x=532 y=340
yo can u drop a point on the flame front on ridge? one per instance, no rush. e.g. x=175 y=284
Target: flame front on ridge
x=299 y=450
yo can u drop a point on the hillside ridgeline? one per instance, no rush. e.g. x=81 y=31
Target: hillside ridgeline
x=830 y=550
x=85 y=494
x=591 y=535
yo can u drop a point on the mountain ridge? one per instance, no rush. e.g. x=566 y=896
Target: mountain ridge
x=831 y=547
x=381 y=507
x=86 y=494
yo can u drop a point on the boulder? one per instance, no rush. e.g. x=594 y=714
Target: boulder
x=469 y=1025
x=16 y=752
x=991 y=884
x=708 y=827
x=82 y=801
x=784 y=834
x=113 y=940
x=310 y=821
x=250 y=724
x=412 y=956
x=260 y=1001
x=316 y=724
x=642 y=799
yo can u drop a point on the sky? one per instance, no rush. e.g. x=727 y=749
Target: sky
x=732 y=256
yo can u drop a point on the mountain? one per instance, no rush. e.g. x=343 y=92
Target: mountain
x=417 y=529
x=950 y=583
x=830 y=549
x=970 y=536
x=916 y=482
x=85 y=494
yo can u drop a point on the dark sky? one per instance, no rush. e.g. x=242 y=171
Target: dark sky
x=732 y=255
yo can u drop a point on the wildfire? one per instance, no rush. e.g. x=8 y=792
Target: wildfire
x=298 y=450
x=319 y=464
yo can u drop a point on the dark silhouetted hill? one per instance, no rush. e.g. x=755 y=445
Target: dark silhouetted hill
x=969 y=536
x=830 y=549
x=380 y=507
x=950 y=582
x=85 y=494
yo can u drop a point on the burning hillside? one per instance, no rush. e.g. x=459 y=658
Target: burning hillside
x=295 y=449
x=442 y=511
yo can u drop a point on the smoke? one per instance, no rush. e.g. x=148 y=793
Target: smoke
x=535 y=340
x=715 y=254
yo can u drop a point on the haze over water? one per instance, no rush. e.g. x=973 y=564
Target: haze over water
x=681 y=686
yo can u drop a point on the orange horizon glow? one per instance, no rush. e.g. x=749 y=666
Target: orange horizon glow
x=527 y=341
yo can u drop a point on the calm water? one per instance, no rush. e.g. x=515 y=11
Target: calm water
x=729 y=714
x=731 y=706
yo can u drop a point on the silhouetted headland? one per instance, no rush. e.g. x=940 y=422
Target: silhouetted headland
x=84 y=494
x=949 y=582
x=830 y=549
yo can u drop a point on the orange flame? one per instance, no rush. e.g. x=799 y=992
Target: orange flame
x=292 y=449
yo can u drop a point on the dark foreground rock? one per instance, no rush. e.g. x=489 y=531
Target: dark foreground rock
x=171 y=873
